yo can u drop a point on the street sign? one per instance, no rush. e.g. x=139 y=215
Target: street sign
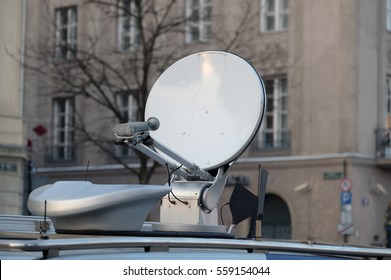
x=332 y=175
x=346 y=198
x=345 y=229
x=8 y=167
x=345 y=185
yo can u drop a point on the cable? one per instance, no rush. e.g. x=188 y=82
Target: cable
x=184 y=202
x=169 y=198
x=169 y=174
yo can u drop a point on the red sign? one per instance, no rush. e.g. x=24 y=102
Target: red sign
x=345 y=185
x=40 y=130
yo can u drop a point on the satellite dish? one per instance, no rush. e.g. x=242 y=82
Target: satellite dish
x=209 y=105
x=202 y=113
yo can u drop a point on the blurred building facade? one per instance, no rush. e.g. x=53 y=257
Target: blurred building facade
x=327 y=72
x=13 y=144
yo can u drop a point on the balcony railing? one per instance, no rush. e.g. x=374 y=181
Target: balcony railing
x=272 y=143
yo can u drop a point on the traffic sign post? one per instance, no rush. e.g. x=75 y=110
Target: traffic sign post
x=346 y=226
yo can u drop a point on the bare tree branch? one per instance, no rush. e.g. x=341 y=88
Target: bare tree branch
x=93 y=74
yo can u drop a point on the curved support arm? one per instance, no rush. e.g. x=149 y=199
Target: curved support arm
x=210 y=195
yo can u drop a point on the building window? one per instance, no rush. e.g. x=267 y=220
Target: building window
x=128 y=109
x=66 y=32
x=388 y=104
x=383 y=134
x=63 y=142
x=274 y=15
x=199 y=20
x=274 y=133
x=128 y=27
x=388 y=10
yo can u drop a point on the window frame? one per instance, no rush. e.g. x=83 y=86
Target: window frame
x=388 y=103
x=129 y=111
x=66 y=48
x=128 y=31
x=63 y=135
x=273 y=133
x=279 y=14
x=203 y=22
x=388 y=15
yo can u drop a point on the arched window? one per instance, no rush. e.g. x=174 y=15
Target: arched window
x=276 y=221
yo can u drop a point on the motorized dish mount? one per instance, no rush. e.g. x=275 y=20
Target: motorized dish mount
x=202 y=113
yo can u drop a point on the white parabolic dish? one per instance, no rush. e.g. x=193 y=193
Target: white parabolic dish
x=210 y=106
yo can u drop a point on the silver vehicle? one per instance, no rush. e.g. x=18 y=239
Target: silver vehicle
x=195 y=128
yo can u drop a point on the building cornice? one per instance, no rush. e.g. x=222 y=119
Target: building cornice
x=14 y=151
x=305 y=158
x=239 y=161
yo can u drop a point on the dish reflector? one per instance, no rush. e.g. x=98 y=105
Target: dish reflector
x=209 y=105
